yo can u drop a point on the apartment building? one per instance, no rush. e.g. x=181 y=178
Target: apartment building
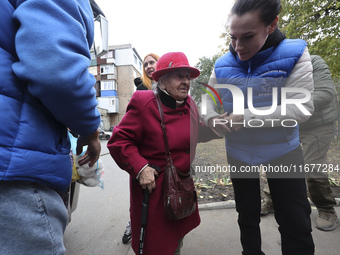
x=114 y=74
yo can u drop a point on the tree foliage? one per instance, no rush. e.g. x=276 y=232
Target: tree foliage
x=205 y=65
x=226 y=38
x=317 y=22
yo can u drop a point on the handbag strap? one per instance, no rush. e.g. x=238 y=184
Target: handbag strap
x=167 y=150
x=161 y=113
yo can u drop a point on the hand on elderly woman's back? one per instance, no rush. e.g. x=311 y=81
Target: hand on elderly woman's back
x=147 y=178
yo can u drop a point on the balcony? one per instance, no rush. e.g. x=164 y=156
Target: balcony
x=111 y=104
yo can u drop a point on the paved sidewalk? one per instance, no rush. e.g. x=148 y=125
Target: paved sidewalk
x=218 y=234
x=100 y=219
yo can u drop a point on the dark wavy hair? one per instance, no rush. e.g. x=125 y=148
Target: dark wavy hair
x=269 y=9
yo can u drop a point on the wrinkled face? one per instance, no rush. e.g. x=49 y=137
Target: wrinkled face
x=177 y=84
x=149 y=66
x=248 y=34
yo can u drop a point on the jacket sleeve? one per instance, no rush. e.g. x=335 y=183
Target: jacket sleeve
x=52 y=43
x=125 y=138
x=300 y=77
x=324 y=86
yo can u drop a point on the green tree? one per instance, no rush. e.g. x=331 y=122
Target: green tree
x=317 y=22
x=226 y=38
x=206 y=66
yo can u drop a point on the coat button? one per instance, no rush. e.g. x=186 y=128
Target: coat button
x=126 y=163
x=180 y=113
x=187 y=151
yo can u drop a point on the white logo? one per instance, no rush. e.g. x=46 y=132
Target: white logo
x=238 y=102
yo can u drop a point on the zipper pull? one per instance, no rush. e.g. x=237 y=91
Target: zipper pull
x=249 y=67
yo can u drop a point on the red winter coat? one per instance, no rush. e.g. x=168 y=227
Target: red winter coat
x=138 y=140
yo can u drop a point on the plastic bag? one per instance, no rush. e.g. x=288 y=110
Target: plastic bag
x=75 y=175
x=86 y=175
x=90 y=176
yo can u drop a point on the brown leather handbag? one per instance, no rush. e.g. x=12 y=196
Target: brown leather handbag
x=180 y=196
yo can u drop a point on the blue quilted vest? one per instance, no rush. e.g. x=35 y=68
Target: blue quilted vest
x=267 y=69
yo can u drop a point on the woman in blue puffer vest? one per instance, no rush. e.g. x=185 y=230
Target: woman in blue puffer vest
x=45 y=86
x=265 y=82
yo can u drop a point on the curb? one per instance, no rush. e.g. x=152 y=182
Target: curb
x=231 y=204
x=337 y=200
x=217 y=205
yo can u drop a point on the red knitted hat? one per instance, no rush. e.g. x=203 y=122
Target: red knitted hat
x=173 y=61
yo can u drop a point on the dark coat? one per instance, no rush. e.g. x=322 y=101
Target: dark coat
x=139 y=84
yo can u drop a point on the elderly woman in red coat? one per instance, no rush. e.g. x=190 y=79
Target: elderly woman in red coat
x=140 y=150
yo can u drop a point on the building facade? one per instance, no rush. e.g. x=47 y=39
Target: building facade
x=115 y=73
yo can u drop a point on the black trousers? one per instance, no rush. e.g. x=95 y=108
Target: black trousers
x=292 y=209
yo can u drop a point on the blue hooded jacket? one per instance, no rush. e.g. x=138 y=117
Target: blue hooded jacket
x=267 y=69
x=44 y=87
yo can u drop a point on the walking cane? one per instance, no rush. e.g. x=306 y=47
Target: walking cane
x=144 y=219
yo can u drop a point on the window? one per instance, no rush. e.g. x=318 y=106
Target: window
x=111 y=101
x=93 y=70
x=107 y=55
x=93 y=56
x=135 y=59
x=108 y=85
x=107 y=69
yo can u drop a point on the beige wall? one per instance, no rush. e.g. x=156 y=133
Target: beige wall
x=125 y=87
